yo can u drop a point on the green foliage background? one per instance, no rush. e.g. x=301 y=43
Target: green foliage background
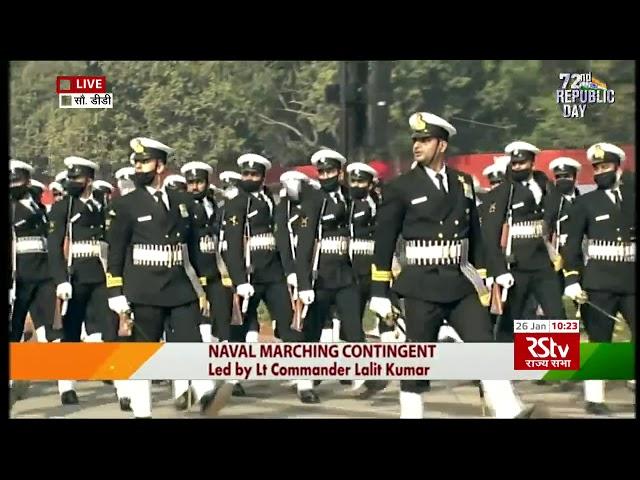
x=216 y=110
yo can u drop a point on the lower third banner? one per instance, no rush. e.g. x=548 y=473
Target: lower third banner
x=322 y=361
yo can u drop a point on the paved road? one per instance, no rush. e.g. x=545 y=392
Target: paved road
x=275 y=400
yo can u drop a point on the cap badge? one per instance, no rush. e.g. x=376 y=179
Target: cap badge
x=137 y=146
x=599 y=153
x=418 y=123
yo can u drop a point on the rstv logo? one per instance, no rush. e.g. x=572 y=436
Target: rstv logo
x=546 y=347
x=546 y=351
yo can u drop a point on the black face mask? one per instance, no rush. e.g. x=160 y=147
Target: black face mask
x=75 y=189
x=250 y=186
x=605 y=180
x=142 y=179
x=18 y=192
x=359 y=192
x=565 y=185
x=199 y=195
x=521 y=175
x=329 y=184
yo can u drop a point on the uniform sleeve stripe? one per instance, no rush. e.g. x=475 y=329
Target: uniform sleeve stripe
x=113 y=281
x=203 y=281
x=569 y=273
x=380 y=275
x=482 y=272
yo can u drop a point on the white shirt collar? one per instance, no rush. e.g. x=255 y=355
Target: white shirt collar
x=152 y=190
x=432 y=174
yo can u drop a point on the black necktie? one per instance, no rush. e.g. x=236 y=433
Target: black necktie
x=440 y=183
x=158 y=196
x=617 y=198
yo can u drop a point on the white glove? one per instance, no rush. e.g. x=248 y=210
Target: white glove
x=380 y=305
x=12 y=295
x=488 y=282
x=245 y=290
x=64 y=291
x=505 y=280
x=119 y=304
x=307 y=296
x=575 y=293
x=292 y=280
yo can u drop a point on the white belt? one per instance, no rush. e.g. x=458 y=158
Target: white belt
x=157 y=255
x=611 y=251
x=335 y=245
x=264 y=241
x=531 y=229
x=433 y=252
x=207 y=244
x=90 y=248
x=362 y=246
x=31 y=245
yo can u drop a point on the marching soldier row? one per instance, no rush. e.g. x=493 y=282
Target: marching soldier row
x=166 y=261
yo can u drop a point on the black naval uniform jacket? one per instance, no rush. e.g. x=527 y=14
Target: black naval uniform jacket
x=206 y=231
x=414 y=207
x=334 y=270
x=557 y=210
x=362 y=221
x=530 y=254
x=596 y=216
x=137 y=218
x=31 y=222
x=266 y=263
x=289 y=214
x=88 y=224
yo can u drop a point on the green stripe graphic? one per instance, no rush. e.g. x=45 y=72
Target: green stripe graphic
x=601 y=361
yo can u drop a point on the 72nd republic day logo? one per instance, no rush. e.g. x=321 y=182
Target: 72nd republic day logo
x=579 y=90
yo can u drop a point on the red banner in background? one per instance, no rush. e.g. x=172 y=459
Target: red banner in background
x=473 y=164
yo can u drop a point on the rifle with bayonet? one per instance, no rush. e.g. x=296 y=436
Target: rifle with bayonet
x=63 y=305
x=296 y=303
x=12 y=292
x=498 y=294
x=315 y=262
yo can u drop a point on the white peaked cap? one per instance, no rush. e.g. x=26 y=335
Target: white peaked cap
x=196 y=166
x=173 y=179
x=562 y=162
x=229 y=175
x=20 y=165
x=102 y=184
x=61 y=176
x=251 y=159
x=56 y=186
x=420 y=120
x=362 y=167
x=71 y=162
x=150 y=143
x=293 y=175
x=607 y=147
x=326 y=153
x=521 y=146
x=125 y=172
x=40 y=185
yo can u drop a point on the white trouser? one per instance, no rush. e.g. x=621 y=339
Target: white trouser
x=205 y=333
x=63 y=385
x=447 y=330
x=594 y=391
x=200 y=387
x=501 y=398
